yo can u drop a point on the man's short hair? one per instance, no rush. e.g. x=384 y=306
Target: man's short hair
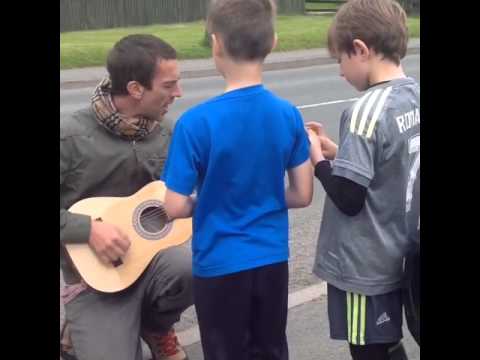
x=134 y=58
x=245 y=27
x=380 y=24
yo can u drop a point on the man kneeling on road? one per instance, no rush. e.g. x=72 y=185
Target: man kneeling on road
x=113 y=148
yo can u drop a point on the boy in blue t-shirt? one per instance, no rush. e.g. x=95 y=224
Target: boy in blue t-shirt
x=234 y=149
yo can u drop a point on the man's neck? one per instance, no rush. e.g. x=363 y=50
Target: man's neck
x=241 y=75
x=124 y=106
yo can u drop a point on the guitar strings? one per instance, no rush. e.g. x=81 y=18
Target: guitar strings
x=154 y=214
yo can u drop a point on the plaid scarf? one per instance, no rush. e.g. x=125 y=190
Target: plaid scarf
x=109 y=117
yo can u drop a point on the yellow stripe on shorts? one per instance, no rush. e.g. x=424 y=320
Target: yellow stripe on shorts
x=349 y=316
x=356 y=318
x=363 y=309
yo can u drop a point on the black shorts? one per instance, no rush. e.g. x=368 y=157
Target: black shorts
x=244 y=315
x=362 y=320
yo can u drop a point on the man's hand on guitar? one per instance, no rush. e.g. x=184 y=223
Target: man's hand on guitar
x=108 y=241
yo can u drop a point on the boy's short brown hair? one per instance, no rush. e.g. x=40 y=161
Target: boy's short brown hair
x=245 y=27
x=380 y=24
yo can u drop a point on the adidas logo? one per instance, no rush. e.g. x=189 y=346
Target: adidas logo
x=383 y=318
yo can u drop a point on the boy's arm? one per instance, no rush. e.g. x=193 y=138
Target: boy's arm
x=179 y=205
x=300 y=180
x=348 y=196
x=300 y=186
x=180 y=173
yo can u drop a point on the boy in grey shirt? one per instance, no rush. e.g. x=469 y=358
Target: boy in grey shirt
x=363 y=236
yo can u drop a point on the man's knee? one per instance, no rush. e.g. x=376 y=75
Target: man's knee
x=174 y=262
x=172 y=269
x=120 y=342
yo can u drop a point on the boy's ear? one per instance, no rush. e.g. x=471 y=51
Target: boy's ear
x=361 y=49
x=217 y=46
x=135 y=89
x=275 y=40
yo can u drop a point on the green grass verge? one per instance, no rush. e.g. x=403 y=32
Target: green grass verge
x=314 y=6
x=89 y=48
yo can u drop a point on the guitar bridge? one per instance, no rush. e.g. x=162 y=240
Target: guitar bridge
x=117 y=262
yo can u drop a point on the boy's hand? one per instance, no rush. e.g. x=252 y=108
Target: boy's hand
x=316 y=154
x=316 y=127
x=329 y=148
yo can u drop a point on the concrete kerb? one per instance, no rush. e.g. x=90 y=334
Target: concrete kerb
x=89 y=77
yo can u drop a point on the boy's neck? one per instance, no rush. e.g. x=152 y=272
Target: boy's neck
x=385 y=70
x=241 y=75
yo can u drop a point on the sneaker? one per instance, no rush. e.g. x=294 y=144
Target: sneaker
x=164 y=347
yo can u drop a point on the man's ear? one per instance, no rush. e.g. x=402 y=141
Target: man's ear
x=361 y=49
x=135 y=89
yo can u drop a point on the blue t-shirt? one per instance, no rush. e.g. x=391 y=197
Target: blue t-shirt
x=234 y=150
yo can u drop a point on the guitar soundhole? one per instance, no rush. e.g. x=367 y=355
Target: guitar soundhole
x=153 y=219
x=150 y=220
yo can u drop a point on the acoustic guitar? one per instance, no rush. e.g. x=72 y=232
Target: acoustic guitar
x=143 y=218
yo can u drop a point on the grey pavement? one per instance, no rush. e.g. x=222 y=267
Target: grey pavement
x=77 y=78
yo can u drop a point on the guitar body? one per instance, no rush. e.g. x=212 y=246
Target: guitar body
x=143 y=218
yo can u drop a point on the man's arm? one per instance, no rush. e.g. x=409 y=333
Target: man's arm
x=107 y=241
x=300 y=186
x=74 y=228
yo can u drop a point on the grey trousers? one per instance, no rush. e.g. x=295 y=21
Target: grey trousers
x=107 y=326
